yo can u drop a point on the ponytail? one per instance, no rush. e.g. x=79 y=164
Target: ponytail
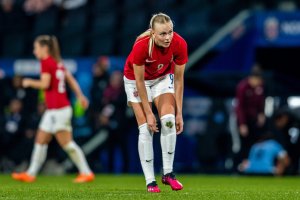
x=147 y=33
x=52 y=43
x=144 y=34
x=55 y=50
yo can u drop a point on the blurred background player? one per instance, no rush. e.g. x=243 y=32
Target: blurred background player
x=100 y=82
x=57 y=118
x=266 y=157
x=112 y=118
x=250 y=98
x=286 y=130
x=154 y=71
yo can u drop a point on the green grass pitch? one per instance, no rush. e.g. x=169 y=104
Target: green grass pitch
x=133 y=187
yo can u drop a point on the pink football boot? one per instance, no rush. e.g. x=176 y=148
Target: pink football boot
x=170 y=179
x=153 y=187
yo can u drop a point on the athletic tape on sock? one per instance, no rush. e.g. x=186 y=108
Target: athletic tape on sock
x=168 y=130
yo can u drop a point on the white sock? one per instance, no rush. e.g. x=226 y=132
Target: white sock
x=77 y=156
x=145 y=147
x=38 y=157
x=168 y=142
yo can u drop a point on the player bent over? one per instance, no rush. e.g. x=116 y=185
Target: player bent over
x=154 y=71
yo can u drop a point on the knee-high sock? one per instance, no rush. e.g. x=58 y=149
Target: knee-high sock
x=145 y=147
x=38 y=158
x=77 y=156
x=168 y=141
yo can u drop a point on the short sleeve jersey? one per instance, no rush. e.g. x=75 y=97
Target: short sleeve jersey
x=162 y=60
x=55 y=95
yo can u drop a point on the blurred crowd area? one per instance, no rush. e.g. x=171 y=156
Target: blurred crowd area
x=104 y=27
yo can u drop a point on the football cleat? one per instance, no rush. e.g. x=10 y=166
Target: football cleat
x=84 y=178
x=24 y=177
x=153 y=187
x=170 y=179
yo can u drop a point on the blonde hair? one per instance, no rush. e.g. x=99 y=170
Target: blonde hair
x=52 y=43
x=160 y=18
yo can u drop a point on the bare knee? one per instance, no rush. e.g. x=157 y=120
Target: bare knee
x=63 y=138
x=43 y=137
x=165 y=104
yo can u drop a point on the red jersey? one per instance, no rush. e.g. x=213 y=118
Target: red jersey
x=56 y=96
x=162 y=60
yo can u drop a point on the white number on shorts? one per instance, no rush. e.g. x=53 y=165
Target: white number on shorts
x=60 y=75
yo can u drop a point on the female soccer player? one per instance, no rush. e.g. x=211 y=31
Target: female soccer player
x=154 y=71
x=56 y=120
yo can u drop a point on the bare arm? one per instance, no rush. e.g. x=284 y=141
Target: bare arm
x=43 y=83
x=141 y=88
x=76 y=89
x=179 y=85
x=282 y=162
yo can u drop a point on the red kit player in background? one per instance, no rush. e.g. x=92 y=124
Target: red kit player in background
x=154 y=72
x=56 y=120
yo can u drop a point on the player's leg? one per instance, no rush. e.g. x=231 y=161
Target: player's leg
x=145 y=147
x=39 y=152
x=164 y=100
x=38 y=157
x=65 y=140
x=165 y=104
x=145 y=141
x=63 y=134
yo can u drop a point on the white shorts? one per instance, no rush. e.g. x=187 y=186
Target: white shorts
x=55 y=120
x=154 y=88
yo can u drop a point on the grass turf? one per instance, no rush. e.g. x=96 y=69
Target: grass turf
x=133 y=187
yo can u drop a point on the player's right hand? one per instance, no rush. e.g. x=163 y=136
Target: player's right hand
x=151 y=121
x=83 y=101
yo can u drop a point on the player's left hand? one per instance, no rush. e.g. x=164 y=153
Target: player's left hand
x=83 y=101
x=179 y=124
